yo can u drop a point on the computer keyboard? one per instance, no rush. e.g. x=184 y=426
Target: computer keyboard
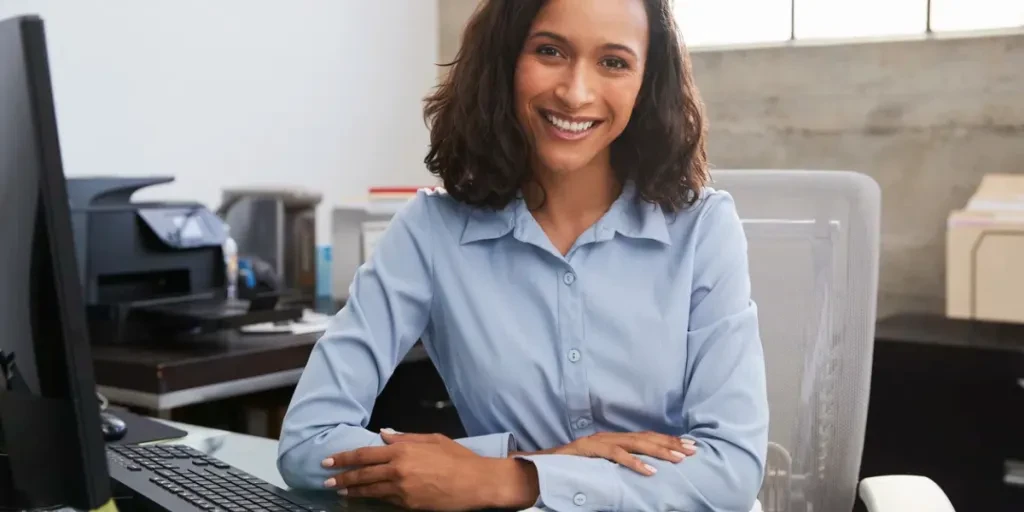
x=181 y=478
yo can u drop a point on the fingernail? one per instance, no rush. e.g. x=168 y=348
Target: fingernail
x=387 y=431
x=330 y=482
x=343 y=492
x=328 y=462
x=677 y=455
x=650 y=469
x=687 y=441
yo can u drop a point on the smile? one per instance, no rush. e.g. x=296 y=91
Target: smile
x=569 y=128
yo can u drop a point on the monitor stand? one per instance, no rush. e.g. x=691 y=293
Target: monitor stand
x=39 y=468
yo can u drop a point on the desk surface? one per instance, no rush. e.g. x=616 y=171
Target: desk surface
x=256 y=455
x=949 y=332
x=174 y=374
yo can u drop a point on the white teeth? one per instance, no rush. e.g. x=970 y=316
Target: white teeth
x=568 y=125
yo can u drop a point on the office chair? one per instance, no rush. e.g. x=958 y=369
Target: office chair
x=814 y=249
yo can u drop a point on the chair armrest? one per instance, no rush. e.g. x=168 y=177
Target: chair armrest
x=897 y=493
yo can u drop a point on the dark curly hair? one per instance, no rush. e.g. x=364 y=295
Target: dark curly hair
x=482 y=155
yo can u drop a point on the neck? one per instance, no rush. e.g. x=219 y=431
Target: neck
x=582 y=195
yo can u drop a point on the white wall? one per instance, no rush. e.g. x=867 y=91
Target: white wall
x=323 y=94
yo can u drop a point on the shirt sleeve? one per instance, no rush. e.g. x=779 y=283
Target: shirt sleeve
x=725 y=406
x=387 y=312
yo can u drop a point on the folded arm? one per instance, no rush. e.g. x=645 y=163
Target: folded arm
x=725 y=405
x=387 y=312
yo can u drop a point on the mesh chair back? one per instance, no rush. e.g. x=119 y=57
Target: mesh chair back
x=813 y=249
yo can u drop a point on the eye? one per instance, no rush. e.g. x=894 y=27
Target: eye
x=548 y=51
x=614 y=63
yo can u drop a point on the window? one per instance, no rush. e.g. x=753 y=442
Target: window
x=816 y=19
x=719 y=22
x=713 y=22
x=976 y=14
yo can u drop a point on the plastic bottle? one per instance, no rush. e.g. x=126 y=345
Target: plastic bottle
x=230 y=249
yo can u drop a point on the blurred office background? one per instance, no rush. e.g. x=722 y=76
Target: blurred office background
x=923 y=95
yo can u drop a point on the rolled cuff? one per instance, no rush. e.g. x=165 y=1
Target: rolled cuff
x=569 y=482
x=490 y=445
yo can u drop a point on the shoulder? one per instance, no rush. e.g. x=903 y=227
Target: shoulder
x=431 y=205
x=712 y=219
x=435 y=212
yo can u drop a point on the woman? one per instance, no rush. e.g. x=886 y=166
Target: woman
x=584 y=296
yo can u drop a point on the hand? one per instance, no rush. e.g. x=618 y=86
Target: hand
x=620 y=447
x=430 y=472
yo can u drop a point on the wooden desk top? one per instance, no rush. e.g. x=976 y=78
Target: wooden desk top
x=225 y=357
x=186 y=364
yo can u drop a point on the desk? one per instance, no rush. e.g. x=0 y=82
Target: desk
x=161 y=377
x=946 y=402
x=256 y=455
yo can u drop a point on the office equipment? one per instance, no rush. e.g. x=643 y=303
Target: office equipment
x=154 y=267
x=278 y=226
x=256 y=456
x=113 y=427
x=813 y=244
x=49 y=410
x=985 y=253
x=347 y=244
x=935 y=379
x=49 y=415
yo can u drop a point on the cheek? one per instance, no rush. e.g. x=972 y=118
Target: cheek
x=529 y=82
x=621 y=100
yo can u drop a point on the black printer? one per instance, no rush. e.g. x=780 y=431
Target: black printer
x=154 y=268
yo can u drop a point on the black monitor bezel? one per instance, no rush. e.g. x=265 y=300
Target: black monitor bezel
x=93 y=490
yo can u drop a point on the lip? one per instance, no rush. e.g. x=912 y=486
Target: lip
x=558 y=133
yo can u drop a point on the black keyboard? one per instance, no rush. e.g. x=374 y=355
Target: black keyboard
x=180 y=478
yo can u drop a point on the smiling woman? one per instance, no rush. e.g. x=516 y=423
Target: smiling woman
x=531 y=75
x=584 y=295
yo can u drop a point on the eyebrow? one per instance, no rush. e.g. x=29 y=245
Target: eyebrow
x=562 y=39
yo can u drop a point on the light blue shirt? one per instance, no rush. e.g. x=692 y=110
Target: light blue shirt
x=646 y=324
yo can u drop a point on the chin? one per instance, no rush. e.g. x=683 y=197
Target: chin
x=561 y=163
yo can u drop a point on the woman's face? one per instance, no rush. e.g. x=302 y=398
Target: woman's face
x=578 y=77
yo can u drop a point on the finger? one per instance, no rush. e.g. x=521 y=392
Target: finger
x=684 y=446
x=689 y=445
x=657 y=445
x=365 y=475
x=620 y=456
x=380 y=490
x=654 y=448
x=360 y=457
x=668 y=441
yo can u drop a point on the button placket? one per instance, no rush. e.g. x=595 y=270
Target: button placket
x=571 y=332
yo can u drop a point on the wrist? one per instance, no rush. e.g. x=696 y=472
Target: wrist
x=510 y=483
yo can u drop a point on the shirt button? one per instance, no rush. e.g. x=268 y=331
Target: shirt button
x=582 y=423
x=574 y=355
x=569 y=278
x=579 y=499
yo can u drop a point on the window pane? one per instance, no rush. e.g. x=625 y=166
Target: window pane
x=858 y=18
x=706 y=22
x=976 y=14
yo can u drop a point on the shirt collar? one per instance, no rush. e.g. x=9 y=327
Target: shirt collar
x=628 y=216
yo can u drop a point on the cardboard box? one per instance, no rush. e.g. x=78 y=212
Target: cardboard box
x=985 y=253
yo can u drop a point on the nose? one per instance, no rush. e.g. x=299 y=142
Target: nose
x=576 y=90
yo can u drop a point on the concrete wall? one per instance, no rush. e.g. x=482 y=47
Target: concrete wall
x=925 y=117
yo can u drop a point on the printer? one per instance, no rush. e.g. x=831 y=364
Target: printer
x=154 y=268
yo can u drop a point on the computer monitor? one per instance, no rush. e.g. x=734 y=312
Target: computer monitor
x=49 y=412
